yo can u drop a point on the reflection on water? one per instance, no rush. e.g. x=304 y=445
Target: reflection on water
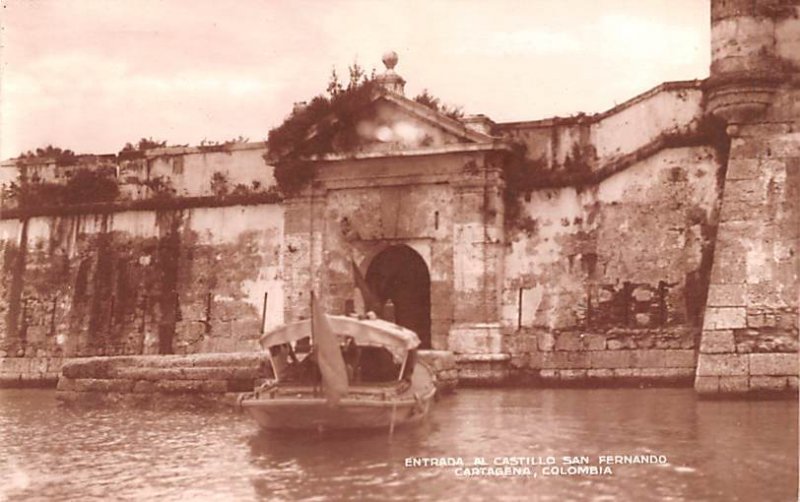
x=716 y=450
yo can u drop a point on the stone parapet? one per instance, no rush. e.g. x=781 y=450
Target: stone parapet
x=197 y=378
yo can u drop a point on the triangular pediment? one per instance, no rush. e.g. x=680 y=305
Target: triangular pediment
x=392 y=122
x=385 y=123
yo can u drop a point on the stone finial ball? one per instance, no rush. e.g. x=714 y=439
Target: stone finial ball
x=390 y=60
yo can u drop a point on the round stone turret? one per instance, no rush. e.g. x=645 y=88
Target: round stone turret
x=754 y=48
x=390 y=80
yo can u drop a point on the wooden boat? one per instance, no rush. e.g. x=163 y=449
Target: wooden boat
x=386 y=386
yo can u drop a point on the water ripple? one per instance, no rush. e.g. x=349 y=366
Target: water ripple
x=737 y=450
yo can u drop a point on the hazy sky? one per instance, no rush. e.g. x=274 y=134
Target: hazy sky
x=91 y=75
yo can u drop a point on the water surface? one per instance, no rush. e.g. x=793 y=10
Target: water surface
x=716 y=450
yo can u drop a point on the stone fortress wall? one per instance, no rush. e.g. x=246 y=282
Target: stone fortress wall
x=652 y=249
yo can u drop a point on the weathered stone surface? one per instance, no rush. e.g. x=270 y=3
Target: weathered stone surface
x=733 y=384
x=718 y=318
x=65 y=384
x=722 y=365
x=482 y=373
x=744 y=169
x=518 y=361
x=706 y=384
x=593 y=342
x=100 y=385
x=663 y=358
x=680 y=358
x=600 y=373
x=216 y=386
x=611 y=359
x=773 y=364
x=615 y=344
x=549 y=374
x=768 y=383
x=571 y=374
x=667 y=373
x=15 y=365
x=535 y=359
x=179 y=386
x=144 y=387
x=546 y=341
x=766 y=339
x=568 y=341
x=727 y=295
x=648 y=358
x=717 y=341
x=438 y=360
x=475 y=339
x=567 y=360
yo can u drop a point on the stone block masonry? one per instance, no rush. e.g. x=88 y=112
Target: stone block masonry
x=18 y=372
x=206 y=379
x=657 y=357
x=750 y=333
x=212 y=379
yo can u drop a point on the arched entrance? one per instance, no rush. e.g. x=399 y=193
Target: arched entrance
x=399 y=274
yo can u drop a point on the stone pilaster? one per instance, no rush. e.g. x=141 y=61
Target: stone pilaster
x=302 y=252
x=477 y=264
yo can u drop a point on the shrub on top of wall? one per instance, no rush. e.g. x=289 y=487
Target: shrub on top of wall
x=83 y=186
x=327 y=125
x=61 y=156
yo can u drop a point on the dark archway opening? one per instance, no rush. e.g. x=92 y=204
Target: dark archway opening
x=400 y=274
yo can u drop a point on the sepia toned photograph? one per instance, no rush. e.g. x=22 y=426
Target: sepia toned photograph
x=538 y=250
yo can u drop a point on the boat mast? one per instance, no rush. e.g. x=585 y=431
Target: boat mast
x=403 y=367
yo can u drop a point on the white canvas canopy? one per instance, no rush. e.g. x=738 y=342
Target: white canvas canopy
x=377 y=332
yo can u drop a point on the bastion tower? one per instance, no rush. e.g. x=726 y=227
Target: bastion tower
x=750 y=330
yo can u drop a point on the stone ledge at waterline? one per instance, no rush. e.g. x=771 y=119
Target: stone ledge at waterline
x=212 y=379
x=142 y=380
x=23 y=372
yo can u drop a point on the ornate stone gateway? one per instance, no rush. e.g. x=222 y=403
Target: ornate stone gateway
x=416 y=203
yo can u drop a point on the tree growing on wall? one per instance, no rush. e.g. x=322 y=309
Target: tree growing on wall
x=61 y=156
x=434 y=103
x=131 y=151
x=83 y=186
x=327 y=124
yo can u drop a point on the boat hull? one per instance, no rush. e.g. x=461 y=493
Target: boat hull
x=316 y=414
x=363 y=407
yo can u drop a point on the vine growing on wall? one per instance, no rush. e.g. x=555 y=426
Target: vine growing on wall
x=523 y=175
x=580 y=168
